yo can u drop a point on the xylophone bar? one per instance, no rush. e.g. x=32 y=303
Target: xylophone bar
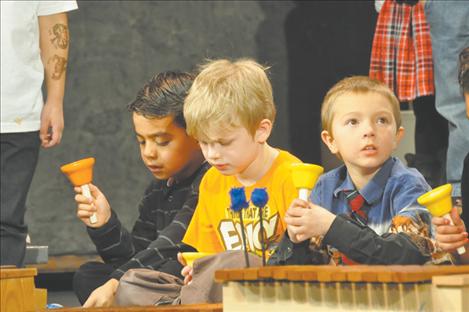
x=334 y=288
x=212 y=307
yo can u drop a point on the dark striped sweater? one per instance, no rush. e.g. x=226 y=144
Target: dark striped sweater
x=164 y=214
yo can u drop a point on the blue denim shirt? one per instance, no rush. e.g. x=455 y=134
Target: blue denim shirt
x=392 y=191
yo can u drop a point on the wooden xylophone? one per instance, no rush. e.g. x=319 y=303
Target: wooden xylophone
x=341 y=288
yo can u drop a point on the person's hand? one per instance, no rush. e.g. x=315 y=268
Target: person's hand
x=305 y=220
x=52 y=124
x=102 y=296
x=186 y=271
x=450 y=237
x=87 y=206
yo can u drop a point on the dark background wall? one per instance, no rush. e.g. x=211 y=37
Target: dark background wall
x=117 y=46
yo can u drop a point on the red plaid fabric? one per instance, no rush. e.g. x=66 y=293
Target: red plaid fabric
x=401 y=54
x=356 y=204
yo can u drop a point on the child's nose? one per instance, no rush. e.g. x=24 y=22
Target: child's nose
x=369 y=129
x=212 y=152
x=150 y=151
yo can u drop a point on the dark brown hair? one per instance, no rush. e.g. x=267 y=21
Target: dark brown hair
x=163 y=95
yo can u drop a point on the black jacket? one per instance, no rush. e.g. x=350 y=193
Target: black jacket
x=358 y=242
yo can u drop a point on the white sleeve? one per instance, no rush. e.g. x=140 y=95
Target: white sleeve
x=54 y=7
x=378 y=5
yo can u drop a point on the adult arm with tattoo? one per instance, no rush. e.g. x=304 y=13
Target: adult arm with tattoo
x=54 y=43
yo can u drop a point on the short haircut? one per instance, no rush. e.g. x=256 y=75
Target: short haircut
x=357 y=85
x=228 y=94
x=163 y=95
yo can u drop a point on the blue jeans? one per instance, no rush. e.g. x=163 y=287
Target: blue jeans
x=449 y=29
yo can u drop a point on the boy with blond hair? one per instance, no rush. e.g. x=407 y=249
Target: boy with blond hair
x=365 y=211
x=230 y=111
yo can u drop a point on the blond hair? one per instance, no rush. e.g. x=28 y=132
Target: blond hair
x=357 y=85
x=228 y=94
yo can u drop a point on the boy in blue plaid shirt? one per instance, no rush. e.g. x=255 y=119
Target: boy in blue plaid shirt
x=365 y=211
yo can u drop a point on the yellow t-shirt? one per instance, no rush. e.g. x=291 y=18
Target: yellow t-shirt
x=215 y=227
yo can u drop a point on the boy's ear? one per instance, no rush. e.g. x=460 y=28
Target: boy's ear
x=329 y=141
x=399 y=135
x=263 y=131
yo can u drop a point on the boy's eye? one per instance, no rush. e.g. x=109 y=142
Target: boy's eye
x=225 y=143
x=383 y=120
x=351 y=122
x=164 y=143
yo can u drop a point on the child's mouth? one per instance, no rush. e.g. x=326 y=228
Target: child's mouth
x=155 y=168
x=369 y=150
x=221 y=166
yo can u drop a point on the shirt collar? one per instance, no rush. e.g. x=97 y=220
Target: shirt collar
x=172 y=181
x=347 y=184
x=374 y=189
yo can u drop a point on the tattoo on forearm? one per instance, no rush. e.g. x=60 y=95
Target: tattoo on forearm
x=60 y=38
x=60 y=64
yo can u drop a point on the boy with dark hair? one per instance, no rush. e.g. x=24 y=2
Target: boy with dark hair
x=177 y=163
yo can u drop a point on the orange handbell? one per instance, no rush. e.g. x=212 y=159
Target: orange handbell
x=80 y=173
x=190 y=257
x=438 y=202
x=305 y=177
